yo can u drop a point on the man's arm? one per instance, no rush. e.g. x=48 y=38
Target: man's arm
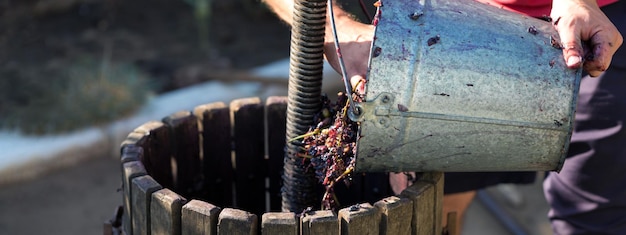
x=282 y=8
x=582 y=20
x=355 y=38
x=575 y=20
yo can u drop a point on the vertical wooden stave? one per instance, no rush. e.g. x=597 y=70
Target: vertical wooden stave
x=157 y=152
x=142 y=188
x=250 y=164
x=165 y=212
x=320 y=222
x=130 y=170
x=185 y=144
x=427 y=195
x=237 y=222
x=396 y=215
x=275 y=121
x=216 y=151
x=199 y=217
x=130 y=151
x=279 y=223
x=361 y=219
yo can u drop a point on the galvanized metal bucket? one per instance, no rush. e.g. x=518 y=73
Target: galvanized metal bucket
x=456 y=85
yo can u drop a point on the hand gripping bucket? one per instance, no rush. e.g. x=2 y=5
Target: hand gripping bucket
x=463 y=86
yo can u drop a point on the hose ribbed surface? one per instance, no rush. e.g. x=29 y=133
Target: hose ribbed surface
x=305 y=85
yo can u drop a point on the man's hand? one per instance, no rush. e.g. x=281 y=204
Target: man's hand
x=582 y=21
x=354 y=41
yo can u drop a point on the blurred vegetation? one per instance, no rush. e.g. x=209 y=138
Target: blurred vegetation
x=87 y=93
x=52 y=81
x=202 y=15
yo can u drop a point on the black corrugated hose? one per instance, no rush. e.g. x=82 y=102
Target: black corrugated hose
x=305 y=86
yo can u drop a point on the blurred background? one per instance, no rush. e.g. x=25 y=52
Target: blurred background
x=93 y=56
x=76 y=76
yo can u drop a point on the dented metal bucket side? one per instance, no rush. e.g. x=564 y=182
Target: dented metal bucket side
x=463 y=86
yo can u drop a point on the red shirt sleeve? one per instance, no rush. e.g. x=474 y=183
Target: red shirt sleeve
x=536 y=8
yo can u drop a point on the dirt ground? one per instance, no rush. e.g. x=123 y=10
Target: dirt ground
x=74 y=200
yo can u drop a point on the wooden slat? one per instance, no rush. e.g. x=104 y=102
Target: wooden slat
x=130 y=171
x=157 y=152
x=131 y=139
x=130 y=153
x=422 y=194
x=275 y=118
x=237 y=222
x=279 y=223
x=451 y=224
x=427 y=201
x=165 y=212
x=250 y=164
x=360 y=219
x=217 y=167
x=438 y=179
x=396 y=214
x=199 y=217
x=186 y=151
x=141 y=189
x=113 y=226
x=319 y=222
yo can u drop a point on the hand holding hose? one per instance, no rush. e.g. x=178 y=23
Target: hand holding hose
x=355 y=41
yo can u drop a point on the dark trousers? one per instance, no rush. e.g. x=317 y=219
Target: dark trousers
x=588 y=196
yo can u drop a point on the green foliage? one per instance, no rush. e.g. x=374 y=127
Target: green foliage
x=202 y=14
x=57 y=100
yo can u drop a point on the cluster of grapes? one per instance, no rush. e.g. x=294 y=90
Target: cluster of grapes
x=330 y=147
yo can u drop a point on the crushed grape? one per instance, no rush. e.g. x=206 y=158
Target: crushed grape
x=329 y=147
